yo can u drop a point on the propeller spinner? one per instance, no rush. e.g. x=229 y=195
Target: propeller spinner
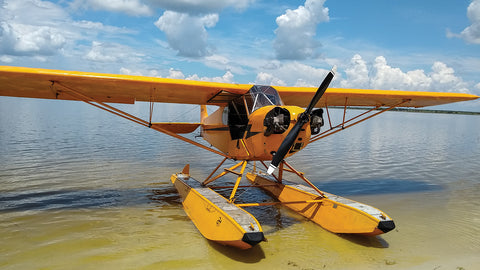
x=303 y=118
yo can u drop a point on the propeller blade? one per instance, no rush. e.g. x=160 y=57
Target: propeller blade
x=287 y=144
x=301 y=121
x=321 y=90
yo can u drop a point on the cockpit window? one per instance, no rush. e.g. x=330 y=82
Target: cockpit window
x=240 y=108
x=263 y=96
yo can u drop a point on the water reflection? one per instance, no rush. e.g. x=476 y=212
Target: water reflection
x=377 y=186
x=367 y=241
x=249 y=256
x=71 y=199
x=164 y=194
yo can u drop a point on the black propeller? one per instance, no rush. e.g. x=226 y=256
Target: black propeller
x=303 y=118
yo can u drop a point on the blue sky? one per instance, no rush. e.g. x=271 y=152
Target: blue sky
x=399 y=44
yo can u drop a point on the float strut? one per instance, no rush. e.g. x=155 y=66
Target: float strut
x=244 y=164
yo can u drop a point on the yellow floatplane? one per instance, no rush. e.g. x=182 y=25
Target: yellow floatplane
x=252 y=124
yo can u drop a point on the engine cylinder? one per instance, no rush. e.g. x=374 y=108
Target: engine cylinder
x=276 y=121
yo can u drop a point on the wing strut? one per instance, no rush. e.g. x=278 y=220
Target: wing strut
x=78 y=95
x=355 y=120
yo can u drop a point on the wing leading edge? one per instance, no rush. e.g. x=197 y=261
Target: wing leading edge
x=112 y=88
x=115 y=88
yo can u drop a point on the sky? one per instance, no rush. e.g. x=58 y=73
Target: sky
x=427 y=45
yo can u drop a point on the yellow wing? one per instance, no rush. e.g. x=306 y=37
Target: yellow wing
x=364 y=97
x=114 y=88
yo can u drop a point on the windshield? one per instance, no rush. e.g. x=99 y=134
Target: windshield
x=263 y=96
x=239 y=109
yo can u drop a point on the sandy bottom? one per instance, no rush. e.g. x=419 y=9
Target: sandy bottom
x=432 y=233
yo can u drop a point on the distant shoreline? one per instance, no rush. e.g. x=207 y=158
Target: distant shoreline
x=413 y=110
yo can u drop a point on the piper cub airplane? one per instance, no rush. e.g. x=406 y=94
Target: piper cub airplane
x=252 y=124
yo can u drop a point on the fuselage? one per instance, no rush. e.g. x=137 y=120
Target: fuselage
x=253 y=126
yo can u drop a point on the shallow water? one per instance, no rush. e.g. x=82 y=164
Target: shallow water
x=81 y=189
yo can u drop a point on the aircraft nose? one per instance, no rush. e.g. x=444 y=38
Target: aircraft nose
x=276 y=121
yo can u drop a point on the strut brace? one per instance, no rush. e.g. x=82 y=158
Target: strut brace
x=101 y=105
x=358 y=119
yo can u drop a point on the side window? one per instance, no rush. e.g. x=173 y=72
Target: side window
x=237 y=118
x=225 y=116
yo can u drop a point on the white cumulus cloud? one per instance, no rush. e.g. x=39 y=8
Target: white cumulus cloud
x=187 y=33
x=226 y=78
x=21 y=39
x=290 y=74
x=127 y=71
x=471 y=34
x=264 y=78
x=175 y=74
x=295 y=35
x=357 y=73
x=112 y=52
x=380 y=75
x=129 y=7
x=200 y=6
x=42 y=29
x=28 y=27
x=185 y=22
x=6 y=59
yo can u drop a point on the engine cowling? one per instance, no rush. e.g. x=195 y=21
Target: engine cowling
x=276 y=121
x=268 y=127
x=316 y=121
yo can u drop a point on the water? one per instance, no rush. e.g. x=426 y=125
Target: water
x=82 y=189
